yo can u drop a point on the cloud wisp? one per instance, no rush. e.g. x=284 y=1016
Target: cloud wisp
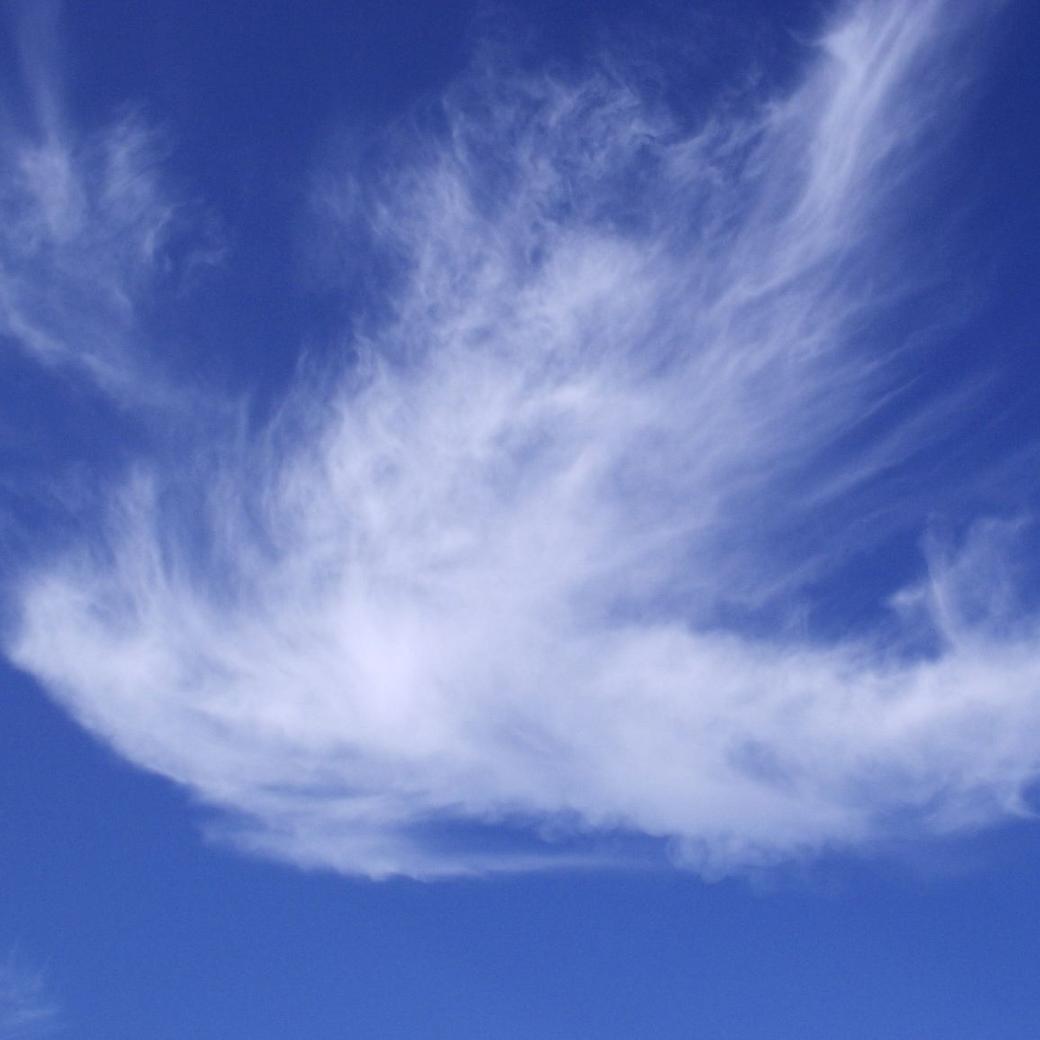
x=25 y=1007
x=90 y=230
x=492 y=572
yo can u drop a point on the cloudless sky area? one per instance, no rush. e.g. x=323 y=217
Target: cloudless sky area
x=519 y=520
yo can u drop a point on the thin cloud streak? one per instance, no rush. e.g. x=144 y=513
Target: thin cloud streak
x=90 y=230
x=26 y=1009
x=482 y=578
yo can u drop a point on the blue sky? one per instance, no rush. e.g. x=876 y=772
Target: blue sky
x=519 y=521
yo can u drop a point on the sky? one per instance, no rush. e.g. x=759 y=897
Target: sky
x=519 y=520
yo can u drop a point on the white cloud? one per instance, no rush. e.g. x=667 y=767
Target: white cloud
x=483 y=576
x=88 y=227
x=26 y=1009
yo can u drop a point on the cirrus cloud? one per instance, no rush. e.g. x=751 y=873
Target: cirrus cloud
x=528 y=558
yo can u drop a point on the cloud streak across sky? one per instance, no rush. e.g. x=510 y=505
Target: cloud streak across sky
x=91 y=232
x=532 y=556
x=25 y=1007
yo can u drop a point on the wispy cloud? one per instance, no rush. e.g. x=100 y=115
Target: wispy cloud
x=89 y=228
x=26 y=1009
x=531 y=557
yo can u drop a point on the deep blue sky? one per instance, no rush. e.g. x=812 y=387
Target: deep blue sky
x=142 y=929
x=125 y=917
